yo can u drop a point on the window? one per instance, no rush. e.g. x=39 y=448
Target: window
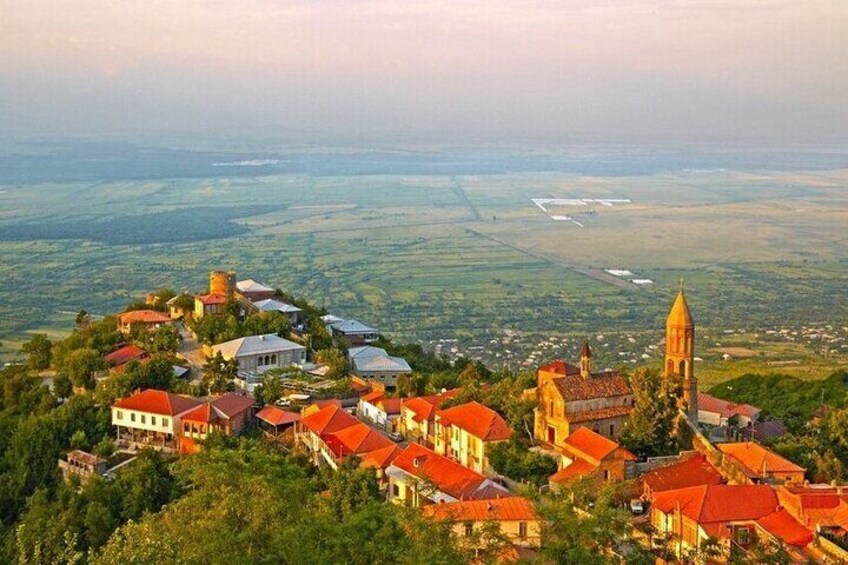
x=132 y=417
x=469 y=529
x=153 y=420
x=143 y=419
x=395 y=490
x=274 y=359
x=606 y=474
x=522 y=530
x=743 y=536
x=186 y=427
x=612 y=430
x=165 y=422
x=119 y=415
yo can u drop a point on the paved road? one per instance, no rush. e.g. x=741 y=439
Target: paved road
x=191 y=352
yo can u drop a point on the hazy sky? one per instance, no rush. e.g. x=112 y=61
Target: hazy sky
x=449 y=71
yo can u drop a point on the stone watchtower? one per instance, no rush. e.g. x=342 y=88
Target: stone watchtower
x=680 y=352
x=222 y=282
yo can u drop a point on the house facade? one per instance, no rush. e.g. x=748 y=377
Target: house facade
x=585 y=453
x=760 y=464
x=380 y=411
x=258 y=353
x=420 y=477
x=211 y=304
x=149 y=319
x=151 y=418
x=515 y=516
x=717 y=412
x=737 y=515
x=229 y=414
x=374 y=363
x=465 y=432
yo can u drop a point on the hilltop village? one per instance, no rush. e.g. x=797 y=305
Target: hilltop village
x=687 y=476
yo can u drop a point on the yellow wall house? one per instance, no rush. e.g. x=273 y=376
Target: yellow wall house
x=515 y=516
x=464 y=432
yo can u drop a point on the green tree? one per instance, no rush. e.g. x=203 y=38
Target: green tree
x=39 y=352
x=269 y=391
x=80 y=365
x=164 y=341
x=652 y=427
x=219 y=373
x=335 y=361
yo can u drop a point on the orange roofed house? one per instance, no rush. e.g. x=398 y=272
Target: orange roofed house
x=691 y=472
x=330 y=435
x=464 y=433
x=150 y=319
x=209 y=304
x=420 y=476
x=821 y=508
x=731 y=514
x=417 y=420
x=516 y=517
x=588 y=454
x=761 y=465
x=228 y=413
x=570 y=397
x=151 y=418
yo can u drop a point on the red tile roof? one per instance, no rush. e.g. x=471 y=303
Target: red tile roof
x=594 y=447
x=143 y=317
x=446 y=475
x=577 y=469
x=695 y=471
x=373 y=397
x=476 y=419
x=560 y=367
x=213 y=298
x=231 y=404
x=357 y=439
x=381 y=458
x=719 y=503
x=604 y=385
x=155 y=401
x=276 y=416
x=328 y=419
x=391 y=405
x=509 y=509
x=203 y=413
x=224 y=407
x=424 y=407
x=601 y=414
x=782 y=525
x=725 y=408
x=756 y=460
x=124 y=355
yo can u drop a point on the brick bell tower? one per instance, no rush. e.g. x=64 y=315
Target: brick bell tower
x=680 y=352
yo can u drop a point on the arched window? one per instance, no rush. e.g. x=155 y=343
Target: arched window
x=683 y=368
x=670 y=367
x=267 y=360
x=596 y=428
x=274 y=359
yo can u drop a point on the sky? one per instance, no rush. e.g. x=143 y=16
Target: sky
x=458 y=71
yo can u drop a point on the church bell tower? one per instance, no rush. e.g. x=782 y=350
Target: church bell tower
x=680 y=352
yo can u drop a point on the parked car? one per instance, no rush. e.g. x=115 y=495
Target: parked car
x=396 y=436
x=637 y=506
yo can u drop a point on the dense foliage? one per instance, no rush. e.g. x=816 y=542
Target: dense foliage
x=787 y=398
x=513 y=459
x=652 y=427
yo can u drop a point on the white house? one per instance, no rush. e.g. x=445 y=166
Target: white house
x=258 y=353
x=380 y=411
x=353 y=331
x=717 y=412
x=151 y=418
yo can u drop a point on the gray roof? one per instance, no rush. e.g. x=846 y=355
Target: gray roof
x=250 y=285
x=353 y=327
x=254 y=345
x=273 y=305
x=369 y=359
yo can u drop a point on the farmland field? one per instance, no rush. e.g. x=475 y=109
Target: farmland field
x=461 y=252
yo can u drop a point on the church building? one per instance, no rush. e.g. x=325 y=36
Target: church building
x=570 y=396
